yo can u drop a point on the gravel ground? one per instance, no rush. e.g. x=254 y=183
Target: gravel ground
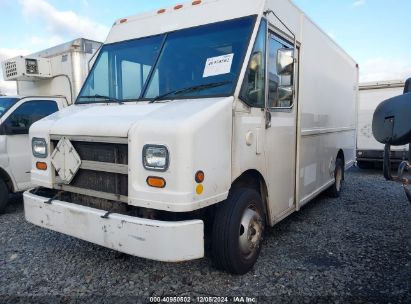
x=353 y=249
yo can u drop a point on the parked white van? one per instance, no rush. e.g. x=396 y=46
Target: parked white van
x=369 y=151
x=46 y=82
x=211 y=119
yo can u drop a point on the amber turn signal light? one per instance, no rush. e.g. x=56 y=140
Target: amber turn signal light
x=199 y=189
x=199 y=177
x=156 y=182
x=41 y=166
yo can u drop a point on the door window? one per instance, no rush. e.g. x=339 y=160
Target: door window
x=253 y=89
x=28 y=113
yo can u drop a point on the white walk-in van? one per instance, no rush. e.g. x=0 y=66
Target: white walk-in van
x=46 y=82
x=210 y=120
x=369 y=151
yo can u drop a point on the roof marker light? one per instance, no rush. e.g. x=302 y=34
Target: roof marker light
x=196 y=2
x=123 y=20
x=161 y=11
x=179 y=6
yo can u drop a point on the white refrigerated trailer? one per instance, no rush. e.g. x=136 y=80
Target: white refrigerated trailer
x=369 y=151
x=211 y=119
x=47 y=81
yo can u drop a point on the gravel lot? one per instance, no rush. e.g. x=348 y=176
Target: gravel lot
x=353 y=249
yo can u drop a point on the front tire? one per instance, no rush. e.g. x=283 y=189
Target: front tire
x=4 y=196
x=238 y=231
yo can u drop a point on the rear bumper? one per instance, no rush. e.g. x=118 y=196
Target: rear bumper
x=378 y=155
x=151 y=239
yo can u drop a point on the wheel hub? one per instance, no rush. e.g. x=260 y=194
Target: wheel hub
x=251 y=228
x=338 y=179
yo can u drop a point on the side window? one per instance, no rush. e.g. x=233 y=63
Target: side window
x=132 y=79
x=99 y=80
x=154 y=88
x=28 y=113
x=277 y=83
x=253 y=89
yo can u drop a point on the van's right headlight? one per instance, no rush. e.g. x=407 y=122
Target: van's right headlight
x=155 y=158
x=39 y=147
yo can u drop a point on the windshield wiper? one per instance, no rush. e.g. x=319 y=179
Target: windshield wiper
x=106 y=98
x=190 y=89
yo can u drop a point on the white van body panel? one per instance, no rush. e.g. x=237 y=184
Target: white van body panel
x=324 y=119
x=328 y=107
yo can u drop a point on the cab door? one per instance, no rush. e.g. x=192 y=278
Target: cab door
x=16 y=129
x=280 y=135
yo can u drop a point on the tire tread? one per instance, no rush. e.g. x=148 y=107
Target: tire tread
x=221 y=231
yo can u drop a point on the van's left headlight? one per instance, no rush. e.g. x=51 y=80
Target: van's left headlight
x=39 y=147
x=155 y=157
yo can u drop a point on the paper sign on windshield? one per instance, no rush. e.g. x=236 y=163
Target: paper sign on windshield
x=218 y=65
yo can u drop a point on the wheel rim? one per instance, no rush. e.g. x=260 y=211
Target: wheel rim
x=250 y=233
x=338 y=179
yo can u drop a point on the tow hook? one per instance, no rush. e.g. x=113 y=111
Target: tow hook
x=105 y=216
x=54 y=197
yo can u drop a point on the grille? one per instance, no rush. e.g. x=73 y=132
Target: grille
x=10 y=69
x=107 y=182
x=102 y=152
x=101 y=181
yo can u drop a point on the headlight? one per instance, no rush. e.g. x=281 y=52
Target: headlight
x=39 y=147
x=155 y=158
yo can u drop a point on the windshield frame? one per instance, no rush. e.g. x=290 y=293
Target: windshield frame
x=143 y=92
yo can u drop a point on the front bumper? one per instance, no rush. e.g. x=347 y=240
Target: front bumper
x=151 y=239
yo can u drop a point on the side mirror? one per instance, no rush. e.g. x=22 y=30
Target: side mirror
x=285 y=70
x=256 y=60
x=285 y=62
x=391 y=121
x=407 y=87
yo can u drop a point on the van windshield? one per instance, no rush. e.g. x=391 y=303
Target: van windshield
x=6 y=103
x=203 y=61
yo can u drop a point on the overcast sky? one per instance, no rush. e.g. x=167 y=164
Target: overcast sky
x=374 y=32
